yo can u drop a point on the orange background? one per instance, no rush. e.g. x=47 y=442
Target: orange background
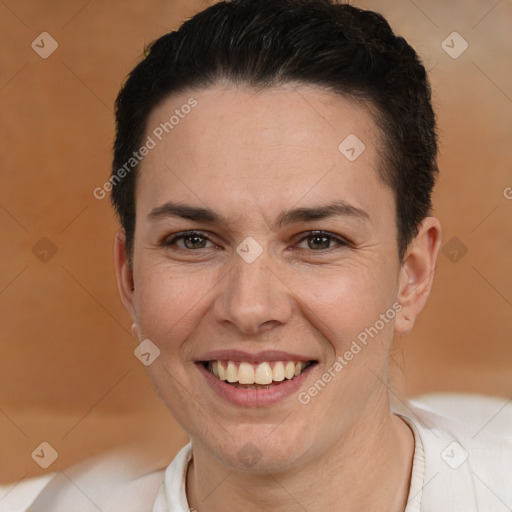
x=68 y=375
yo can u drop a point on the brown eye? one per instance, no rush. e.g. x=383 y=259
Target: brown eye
x=321 y=240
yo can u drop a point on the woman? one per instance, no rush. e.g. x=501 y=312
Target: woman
x=283 y=235
x=273 y=169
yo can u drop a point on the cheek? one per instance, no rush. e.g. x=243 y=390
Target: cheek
x=169 y=303
x=344 y=301
x=340 y=301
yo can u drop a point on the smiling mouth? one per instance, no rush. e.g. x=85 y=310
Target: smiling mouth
x=262 y=375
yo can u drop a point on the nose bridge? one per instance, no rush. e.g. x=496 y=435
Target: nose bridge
x=252 y=294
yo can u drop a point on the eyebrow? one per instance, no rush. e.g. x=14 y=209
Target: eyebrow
x=338 y=208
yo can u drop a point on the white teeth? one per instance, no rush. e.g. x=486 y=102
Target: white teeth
x=221 y=370
x=278 y=372
x=264 y=374
x=231 y=372
x=246 y=374
x=289 y=370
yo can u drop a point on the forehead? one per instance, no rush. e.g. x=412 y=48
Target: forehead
x=235 y=145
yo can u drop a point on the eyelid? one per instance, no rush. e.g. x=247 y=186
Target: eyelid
x=341 y=241
x=170 y=239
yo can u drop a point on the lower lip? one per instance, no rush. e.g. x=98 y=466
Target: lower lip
x=254 y=397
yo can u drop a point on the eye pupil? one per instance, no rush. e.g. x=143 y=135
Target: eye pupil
x=194 y=245
x=325 y=244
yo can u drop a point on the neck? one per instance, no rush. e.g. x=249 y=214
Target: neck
x=368 y=468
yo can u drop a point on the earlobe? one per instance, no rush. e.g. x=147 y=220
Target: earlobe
x=124 y=273
x=417 y=273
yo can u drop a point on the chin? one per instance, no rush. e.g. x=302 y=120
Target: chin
x=259 y=450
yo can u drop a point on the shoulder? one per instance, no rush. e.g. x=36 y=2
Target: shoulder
x=481 y=424
x=466 y=449
x=490 y=413
x=122 y=479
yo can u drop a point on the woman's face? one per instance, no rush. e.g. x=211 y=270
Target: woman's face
x=253 y=287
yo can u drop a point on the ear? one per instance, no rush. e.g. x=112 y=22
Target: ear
x=417 y=273
x=124 y=273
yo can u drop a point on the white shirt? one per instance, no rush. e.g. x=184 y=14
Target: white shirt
x=457 y=467
x=454 y=470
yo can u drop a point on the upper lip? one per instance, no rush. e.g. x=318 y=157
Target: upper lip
x=255 y=357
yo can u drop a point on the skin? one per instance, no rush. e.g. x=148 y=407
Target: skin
x=248 y=156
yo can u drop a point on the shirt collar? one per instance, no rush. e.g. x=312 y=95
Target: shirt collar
x=441 y=469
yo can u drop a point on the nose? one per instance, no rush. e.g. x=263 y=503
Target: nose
x=253 y=297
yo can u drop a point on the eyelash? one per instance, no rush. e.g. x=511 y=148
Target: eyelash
x=166 y=242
